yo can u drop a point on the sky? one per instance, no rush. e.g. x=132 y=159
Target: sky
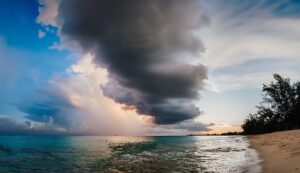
x=140 y=67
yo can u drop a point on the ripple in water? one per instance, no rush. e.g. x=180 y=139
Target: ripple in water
x=127 y=154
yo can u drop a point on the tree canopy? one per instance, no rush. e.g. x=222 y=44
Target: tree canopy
x=278 y=110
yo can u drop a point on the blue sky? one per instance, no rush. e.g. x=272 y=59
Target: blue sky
x=53 y=76
x=26 y=60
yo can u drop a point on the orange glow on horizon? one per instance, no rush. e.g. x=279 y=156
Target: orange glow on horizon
x=224 y=129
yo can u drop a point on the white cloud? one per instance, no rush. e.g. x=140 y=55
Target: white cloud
x=48 y=11
x=255 y=34
x=41 y=34
x=98 y=114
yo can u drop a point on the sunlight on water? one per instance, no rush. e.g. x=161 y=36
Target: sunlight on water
x=127 y=154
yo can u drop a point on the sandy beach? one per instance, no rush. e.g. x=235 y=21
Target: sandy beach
x=279 y=151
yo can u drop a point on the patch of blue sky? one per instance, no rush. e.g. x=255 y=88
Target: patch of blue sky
x=272 y=65
x=288 y=8
x=27 y=62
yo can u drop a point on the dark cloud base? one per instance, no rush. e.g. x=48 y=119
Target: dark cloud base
x=144 y=45
x=9 y=126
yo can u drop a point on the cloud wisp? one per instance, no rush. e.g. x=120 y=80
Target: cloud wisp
x=244 y=36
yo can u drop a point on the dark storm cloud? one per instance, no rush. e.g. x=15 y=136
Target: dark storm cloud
x=8 y=126
x=49 y=106
x=145 y=46
x=192 y=126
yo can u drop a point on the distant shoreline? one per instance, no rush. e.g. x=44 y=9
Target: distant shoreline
x=220 y=134
x=279 y=151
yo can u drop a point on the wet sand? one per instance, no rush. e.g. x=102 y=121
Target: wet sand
x=279 y=151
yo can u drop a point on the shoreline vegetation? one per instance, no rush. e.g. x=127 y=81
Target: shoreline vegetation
x=273 y=131
x=279 y=109
x=219 y=134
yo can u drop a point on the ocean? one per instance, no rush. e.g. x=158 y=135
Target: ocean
x=93 y=154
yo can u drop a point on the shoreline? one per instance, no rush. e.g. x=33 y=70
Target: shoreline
x=279 y=151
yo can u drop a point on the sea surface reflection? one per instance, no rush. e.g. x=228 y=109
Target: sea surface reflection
x=126 y=154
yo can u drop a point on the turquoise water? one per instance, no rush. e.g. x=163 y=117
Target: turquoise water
x=26 y=154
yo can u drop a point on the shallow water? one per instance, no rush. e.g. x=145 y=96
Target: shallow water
x=128 y=154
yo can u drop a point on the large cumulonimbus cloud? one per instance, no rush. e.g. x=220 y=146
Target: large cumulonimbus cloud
x=147 y=47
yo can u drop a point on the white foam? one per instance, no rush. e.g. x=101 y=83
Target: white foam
x=252 y=161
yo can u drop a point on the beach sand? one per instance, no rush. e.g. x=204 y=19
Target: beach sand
x=279 y=151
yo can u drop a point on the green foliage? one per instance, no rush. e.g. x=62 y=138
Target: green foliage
x=279 y=109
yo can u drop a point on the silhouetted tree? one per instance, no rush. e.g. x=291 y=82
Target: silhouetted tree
x=279 y=109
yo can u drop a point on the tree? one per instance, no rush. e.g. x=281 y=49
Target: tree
x=279 y=109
